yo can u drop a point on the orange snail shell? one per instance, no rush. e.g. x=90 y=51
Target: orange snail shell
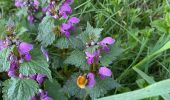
x=82 y=81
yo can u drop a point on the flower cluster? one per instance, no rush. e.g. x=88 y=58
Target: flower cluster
x=33 y=7
x=43 y=96
x=94 y=58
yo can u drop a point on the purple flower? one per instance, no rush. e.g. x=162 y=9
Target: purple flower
x=91 y=80
x=91 y=57
x=36 y=3
x=104 y=72
x=40 y=78
x=19 y=3
x=44 y=96
x=73 y=20
x=45 y=53
x=66 y=27
x=12 y=73
x=105 y=42
x=33 y=98
x=69 y=1
x=24 y=49
x=13 y=65
x=30 y=18
x=2 y=44
x=65 y=10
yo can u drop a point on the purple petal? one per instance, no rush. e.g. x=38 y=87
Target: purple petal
x=88 y=54
x=40 y=78
x=46 y=98
x=19 y=3
x=44 y=95
x=30 y=18
x=12 y=73
x=64 y=10
x=33 y=98
x=2 y=44
x=91 y=80
x=90 y=60
x=27 y=57
x=105 y=72
x=33 y=76
x=36 y=3
x=69 y=1
x=73 y=20
x=107 y=40
x=24 y=48
x=67 y=34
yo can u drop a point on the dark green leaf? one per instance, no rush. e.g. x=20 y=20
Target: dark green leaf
x=19 y=89
x=4 y=63
x=108 y=57
x=38 y=64
x=45 y=34
x=78 y=59
x=54 y=90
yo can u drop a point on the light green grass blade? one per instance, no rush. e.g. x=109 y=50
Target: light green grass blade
x=156 y=89
x=150 y=81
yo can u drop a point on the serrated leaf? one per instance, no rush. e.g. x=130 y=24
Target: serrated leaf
x=108 y=57
x=54 y=90
x=19 y=89
x=4 y=63
x=72 y=42
x=92 y=49
x=45 y=34
x=102 y=87
x=78 y=59
x=90 y=34
x=38 y=64
x=72 y=88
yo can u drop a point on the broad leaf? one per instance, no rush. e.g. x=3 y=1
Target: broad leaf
x=38 y=64
x=64 y=43
x=102 y=87
x=78 y=59
x=45 y=34
x=4 y=63
x=90 y=34
x=108 y=57
x=54 y=90
x=19 y=89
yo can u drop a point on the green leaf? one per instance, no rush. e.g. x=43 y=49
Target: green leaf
x=45 y=34
x=150 y=81
x=90 y=34
x=108 y=57
x=64 y=43
x=160 y=25
x=2 y=29
x=38 y=64
x=4 y=63
x=77 y=58
x=102 y=87
x=156 y=89
x=54 y=90
x=92 y=49
x=19 y=89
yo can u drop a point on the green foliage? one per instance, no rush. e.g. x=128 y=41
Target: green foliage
x=45 y=34
x=156 y=89
x=102 y=87
x=19 y=89
x=4 y=63
x=108 y=57
x=78 y=59
x=38 y=64
x=72 y=42
x=90 y=34
x=54 y=90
